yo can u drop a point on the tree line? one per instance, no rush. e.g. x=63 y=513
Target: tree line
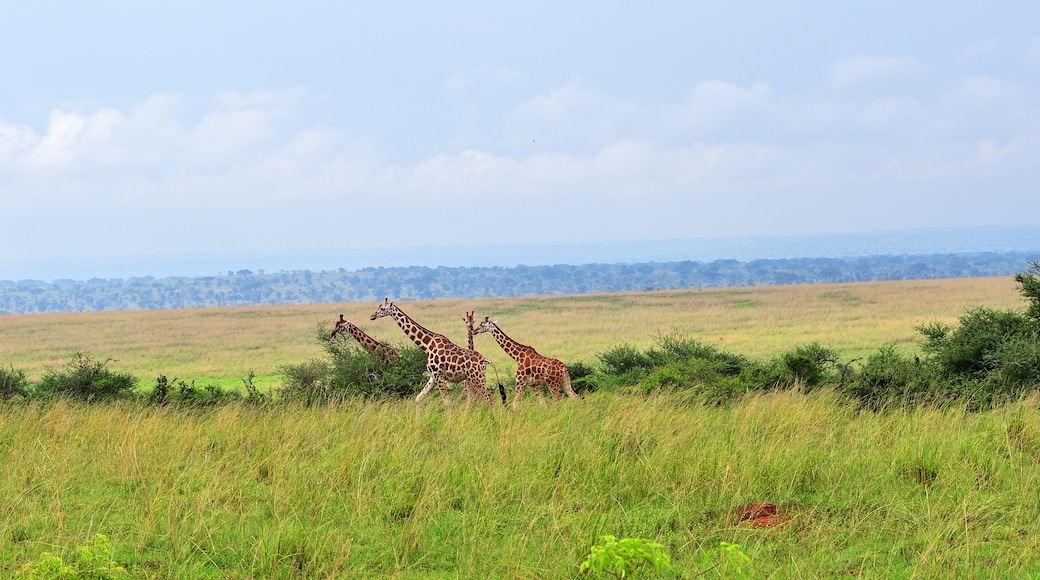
x=247 y=288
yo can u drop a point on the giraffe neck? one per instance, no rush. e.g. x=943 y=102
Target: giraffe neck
x=469 y=328
x=422 y=338
x=365 y=340
x=511 y=347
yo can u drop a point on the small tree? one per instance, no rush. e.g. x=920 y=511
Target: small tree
x=1029 y=287
x=87 y=379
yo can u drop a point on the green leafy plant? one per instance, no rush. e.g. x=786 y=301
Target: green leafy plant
x=92 y=561
x=727 y=560
x=624 y=558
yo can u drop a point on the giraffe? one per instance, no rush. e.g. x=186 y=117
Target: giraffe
x=532 y=369
x=468 y=319
x=445 y=360
x=383 y=352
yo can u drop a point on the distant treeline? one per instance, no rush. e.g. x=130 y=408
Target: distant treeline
x=247 y=288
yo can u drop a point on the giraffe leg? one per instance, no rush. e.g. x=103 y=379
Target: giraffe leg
x=482 y=389
x=444 y=396
x=433 y=382
x=538 y=391
x=516 y=395
x=554 y=389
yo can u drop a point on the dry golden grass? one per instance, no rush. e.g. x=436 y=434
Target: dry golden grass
x=227 y=343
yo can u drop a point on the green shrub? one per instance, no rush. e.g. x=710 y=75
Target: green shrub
x=92 y=561
x=1016 y=367
x=1029 y=287
x=624 y=360
x=582 y=379
x=681 y=349
x=967 y=350
x=181 y=392
x=86 y=379
x=13 y=383
x=809 y=365
x=351 y=371
x=889 y=378
x=306 y=383
x=626 y=557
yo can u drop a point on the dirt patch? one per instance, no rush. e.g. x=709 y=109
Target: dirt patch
x=764 y=515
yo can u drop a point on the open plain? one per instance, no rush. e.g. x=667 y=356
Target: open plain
x=370 y=490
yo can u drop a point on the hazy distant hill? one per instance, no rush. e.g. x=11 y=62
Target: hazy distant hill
x=245 y=287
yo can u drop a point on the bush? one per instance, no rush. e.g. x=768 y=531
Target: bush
x=13 y=383
x=306 y=383
x=180 y=392
x=1029 y=287
x=86 y=379
x=1016 y=364
x=809 y=364
x=351 y=371
x=889 y=378
x=681 y=349
x=967 y=351
x=624 y=360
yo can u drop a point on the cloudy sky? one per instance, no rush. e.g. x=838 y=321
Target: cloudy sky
x=129 y=128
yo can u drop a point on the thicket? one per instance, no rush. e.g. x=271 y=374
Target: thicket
x=988 y=358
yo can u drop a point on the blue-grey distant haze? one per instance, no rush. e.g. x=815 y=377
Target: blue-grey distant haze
x=133 y=130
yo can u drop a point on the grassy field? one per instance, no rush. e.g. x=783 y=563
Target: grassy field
x=369 y=491
x=220 y=346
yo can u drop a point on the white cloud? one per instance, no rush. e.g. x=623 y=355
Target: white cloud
x=572 y=116
x=979 y=48
x=716 y=108
x=867 y=72
x=242 y=170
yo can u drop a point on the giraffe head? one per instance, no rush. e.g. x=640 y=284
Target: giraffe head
x=487 y=326
x=385 y=309
x=342 y=325
x=468 y=319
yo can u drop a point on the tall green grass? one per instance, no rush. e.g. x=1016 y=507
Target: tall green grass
x=366 y=490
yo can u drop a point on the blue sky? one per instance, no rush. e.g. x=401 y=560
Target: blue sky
x=133 y=129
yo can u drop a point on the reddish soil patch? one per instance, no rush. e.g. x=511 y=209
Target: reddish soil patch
x=763 y=515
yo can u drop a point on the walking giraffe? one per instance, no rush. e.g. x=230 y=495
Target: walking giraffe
x=468 y=319
x=532 y=369
x=445 y=360
x=382 y=351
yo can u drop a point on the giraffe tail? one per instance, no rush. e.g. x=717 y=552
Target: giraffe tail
x=567 y=388
x=501 y=387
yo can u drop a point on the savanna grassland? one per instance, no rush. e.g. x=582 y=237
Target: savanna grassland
x=222 y=345
x=371 y=490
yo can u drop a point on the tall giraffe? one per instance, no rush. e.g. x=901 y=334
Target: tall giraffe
x=445 y=360
x=382 y=351
x=532 y=369
x=468 y=319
